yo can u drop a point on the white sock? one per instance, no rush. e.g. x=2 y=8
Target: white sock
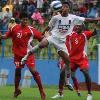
x=35 y=48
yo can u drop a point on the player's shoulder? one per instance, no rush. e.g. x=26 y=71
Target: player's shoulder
x=14 y=27
x=57 y=16
x=71 y=15
x=86 y=32
x=30 y=27
x=73 y=33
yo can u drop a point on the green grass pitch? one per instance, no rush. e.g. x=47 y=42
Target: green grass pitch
x=6 y=93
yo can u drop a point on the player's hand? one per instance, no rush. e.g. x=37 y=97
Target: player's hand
x=47 y=34
x=24 y=59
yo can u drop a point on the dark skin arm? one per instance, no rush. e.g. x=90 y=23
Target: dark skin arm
x=46 y=29
x=92 y=19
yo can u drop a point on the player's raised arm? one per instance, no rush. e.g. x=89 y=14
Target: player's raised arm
x=92 y=19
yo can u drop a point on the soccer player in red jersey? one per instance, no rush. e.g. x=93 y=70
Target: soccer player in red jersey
x=22 y=36
x=78 y=56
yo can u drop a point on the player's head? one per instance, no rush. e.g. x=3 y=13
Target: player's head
x=24 y=19
x=65 y=7
x=79 y=28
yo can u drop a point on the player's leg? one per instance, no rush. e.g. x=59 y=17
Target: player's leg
x=61 y=84
x=65 y=57
x=17 y=81
x=37 y=78
x=67 y=79
x=74 y=79
x=75 y=82
x=36 y=75
x=88 y=83
x=61 y=81
x=41 y=45
x=84 y=67
x=17 y=75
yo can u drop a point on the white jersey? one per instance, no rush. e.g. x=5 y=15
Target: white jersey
x=62 y=26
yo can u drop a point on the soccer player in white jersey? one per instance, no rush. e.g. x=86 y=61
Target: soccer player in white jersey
x=64 y=72
x=59 y=26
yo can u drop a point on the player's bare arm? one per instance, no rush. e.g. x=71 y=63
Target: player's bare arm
x=92 y=19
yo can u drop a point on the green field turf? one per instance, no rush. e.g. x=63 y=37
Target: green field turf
x=6 y=93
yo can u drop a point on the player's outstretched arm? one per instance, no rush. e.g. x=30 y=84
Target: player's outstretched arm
x=92 y=19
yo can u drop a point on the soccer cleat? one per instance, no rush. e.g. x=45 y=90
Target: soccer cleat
x=70 y=87
x=79 y=94
x=57 y=96
x=17 y=93
x=89 y=97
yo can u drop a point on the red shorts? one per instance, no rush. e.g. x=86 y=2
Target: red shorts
x=82 y=64
x=30 y=61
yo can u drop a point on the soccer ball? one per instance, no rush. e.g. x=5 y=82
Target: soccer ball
x=56 y=5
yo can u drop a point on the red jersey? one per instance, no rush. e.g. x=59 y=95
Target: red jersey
x=77 y=45
x=22 y=38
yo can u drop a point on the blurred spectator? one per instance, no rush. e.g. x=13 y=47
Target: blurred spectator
x=17 y=11
x=92 y=12
x=6 y=18
x=75 y=9
x=39 y=4
x=36 y=16
x=11 y=23
x=45 y=8
x=8 y=5
x=31 y=8
x=83 y=9
x=24 y=6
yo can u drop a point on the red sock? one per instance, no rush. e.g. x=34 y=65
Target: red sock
x=76 y=85
x=38 y=81
x=17 y=78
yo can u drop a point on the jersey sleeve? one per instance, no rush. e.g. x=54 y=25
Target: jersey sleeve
x=88 y=34
x=78 y=20
x=52 y=22
x=37 y=35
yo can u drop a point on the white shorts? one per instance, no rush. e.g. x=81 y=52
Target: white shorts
x=59 y=45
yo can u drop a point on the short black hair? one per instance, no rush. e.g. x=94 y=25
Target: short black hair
x=23 y=15
x=65 y=2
